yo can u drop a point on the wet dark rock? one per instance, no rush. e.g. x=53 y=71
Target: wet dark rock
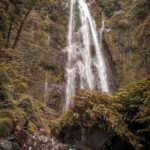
x=56 y=95
x=8 y=145
x=60 y=147
x=115 y=143
x=26 y=141
x=97 y=140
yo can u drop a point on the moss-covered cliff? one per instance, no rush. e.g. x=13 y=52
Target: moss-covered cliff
x=32 y=36
x=32 y=74
x=32 y=66
x=127 y=37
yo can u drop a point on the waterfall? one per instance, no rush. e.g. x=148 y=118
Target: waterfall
x=86 y=66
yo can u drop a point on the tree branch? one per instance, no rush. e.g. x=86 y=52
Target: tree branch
x=21 y=27
x=9 y=31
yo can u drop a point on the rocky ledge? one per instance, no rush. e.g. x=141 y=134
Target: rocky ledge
x=26 y=141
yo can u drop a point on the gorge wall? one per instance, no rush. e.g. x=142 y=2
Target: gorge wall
x=43 y=38
x=33 y=35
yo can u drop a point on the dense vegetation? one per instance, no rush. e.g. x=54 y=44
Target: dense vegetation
x=125 y=114
x=129 y=37
x=29 y=50
x=32 y=78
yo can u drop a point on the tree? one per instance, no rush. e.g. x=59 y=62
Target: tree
x=17 y=12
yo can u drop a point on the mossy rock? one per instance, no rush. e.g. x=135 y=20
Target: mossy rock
x=6 y=127
x=39 y=115
x=27 y=109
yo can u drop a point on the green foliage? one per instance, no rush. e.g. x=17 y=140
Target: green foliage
x=135 y=100
x=117 y=114
x=11 y=84
x=5 y=71
x=38 y=115
x=133 y=97
x=6 y=126
x=109 y=6
x=53 y=100
x=8 y=113
x=92 y=110
x=140 y=9
x=129 y=36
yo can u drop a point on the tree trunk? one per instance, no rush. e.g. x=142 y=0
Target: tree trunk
x=21 y=27
x=9 y=32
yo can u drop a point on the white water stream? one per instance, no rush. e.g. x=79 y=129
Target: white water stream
x=86 y=66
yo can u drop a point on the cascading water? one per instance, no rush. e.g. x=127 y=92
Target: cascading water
x=86 y=66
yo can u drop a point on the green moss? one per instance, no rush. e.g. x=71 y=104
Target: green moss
x=128 y=38
x=6 y=127
x=38 y=115
x=14 y=115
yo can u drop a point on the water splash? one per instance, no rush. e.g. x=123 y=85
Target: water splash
x=86 y=66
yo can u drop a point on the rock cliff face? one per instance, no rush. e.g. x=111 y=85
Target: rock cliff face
x=32 y=72
x=126 y=36
x=43 y=37
x=23 y=140
x=32 y=39
x=127 y=31
x=39 y=46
